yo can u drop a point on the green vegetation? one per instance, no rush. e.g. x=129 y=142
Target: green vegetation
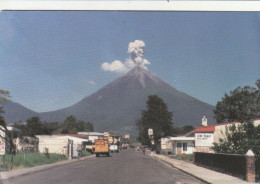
x=34 y=126
x=239 y=140
x=8 y=138
x=156 y=117
x=243 y=104
x=30 y=160
x=85 y=153
x=183 y=130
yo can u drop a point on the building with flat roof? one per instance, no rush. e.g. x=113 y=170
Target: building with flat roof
x=205 y=136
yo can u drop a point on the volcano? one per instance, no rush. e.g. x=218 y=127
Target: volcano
x=116 y=106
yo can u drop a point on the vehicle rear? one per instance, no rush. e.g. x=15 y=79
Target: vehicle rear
x=114 y=148
x=101 y=147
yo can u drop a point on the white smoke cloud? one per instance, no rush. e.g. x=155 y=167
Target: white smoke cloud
x=92 y=82
x=116 y=66
x=136 y=51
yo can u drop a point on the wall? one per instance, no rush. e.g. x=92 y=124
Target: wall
x=220 y=130
x=54 y=144
x=226 y=163
x=166 y=146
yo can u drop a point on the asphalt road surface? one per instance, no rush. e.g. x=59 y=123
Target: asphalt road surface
x=126 y=167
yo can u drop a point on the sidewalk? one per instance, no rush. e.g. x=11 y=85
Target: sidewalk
x=19 y=172
x=206 y=175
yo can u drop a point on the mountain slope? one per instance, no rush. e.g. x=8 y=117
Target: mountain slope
x=117 y=105
x=16 y=112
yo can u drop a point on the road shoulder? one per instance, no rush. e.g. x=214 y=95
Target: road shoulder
x=19 y=172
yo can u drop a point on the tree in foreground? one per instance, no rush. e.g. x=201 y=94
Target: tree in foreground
x=239 y=139
x=7 y=136
x=243 y=104
x=157 y=117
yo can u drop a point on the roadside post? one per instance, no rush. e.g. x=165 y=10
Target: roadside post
x=150 y=134
x=127 y=138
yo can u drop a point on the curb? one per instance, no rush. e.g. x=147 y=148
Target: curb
x=25 y=171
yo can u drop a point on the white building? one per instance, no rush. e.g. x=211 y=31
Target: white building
x=205 y=136
x=177 y=145
x=60 y=144
x=92 y=136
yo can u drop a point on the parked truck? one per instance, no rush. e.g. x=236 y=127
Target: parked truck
x=102 y=147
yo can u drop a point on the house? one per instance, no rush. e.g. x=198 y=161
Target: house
x=178 y=145
x=61 y=143
x=206 y=135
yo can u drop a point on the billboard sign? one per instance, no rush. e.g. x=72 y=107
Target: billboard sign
x=150 y=131
x=106 y=134
x=127 y=136
x=204 y=139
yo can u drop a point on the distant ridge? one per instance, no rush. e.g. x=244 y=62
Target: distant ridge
x=117 y=105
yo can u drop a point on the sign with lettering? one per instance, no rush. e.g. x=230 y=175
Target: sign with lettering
x=204 y=139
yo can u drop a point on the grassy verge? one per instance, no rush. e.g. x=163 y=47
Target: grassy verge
x=85 y=153
x=189 y=157
x=29 y=160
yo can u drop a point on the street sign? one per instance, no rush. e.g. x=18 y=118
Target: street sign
x=2 y=148
x=127 y=136
x=150 y=131
x=106 y=134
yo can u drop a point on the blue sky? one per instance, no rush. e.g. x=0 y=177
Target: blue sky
x=52 y=59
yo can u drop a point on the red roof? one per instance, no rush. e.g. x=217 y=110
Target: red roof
x=211 y=128
x=74 y=135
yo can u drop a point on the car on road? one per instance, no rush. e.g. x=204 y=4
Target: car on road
x=114 y=148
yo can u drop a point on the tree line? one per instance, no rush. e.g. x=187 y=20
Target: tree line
x=34 y=126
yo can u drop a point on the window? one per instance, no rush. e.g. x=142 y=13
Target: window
x=179 y=145
x=184 y=146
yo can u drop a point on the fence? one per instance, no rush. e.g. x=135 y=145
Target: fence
x=232 y=164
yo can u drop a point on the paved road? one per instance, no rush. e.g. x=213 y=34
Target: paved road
x=126 y=167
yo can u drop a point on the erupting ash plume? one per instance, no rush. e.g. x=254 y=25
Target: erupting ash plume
x=136 y=51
